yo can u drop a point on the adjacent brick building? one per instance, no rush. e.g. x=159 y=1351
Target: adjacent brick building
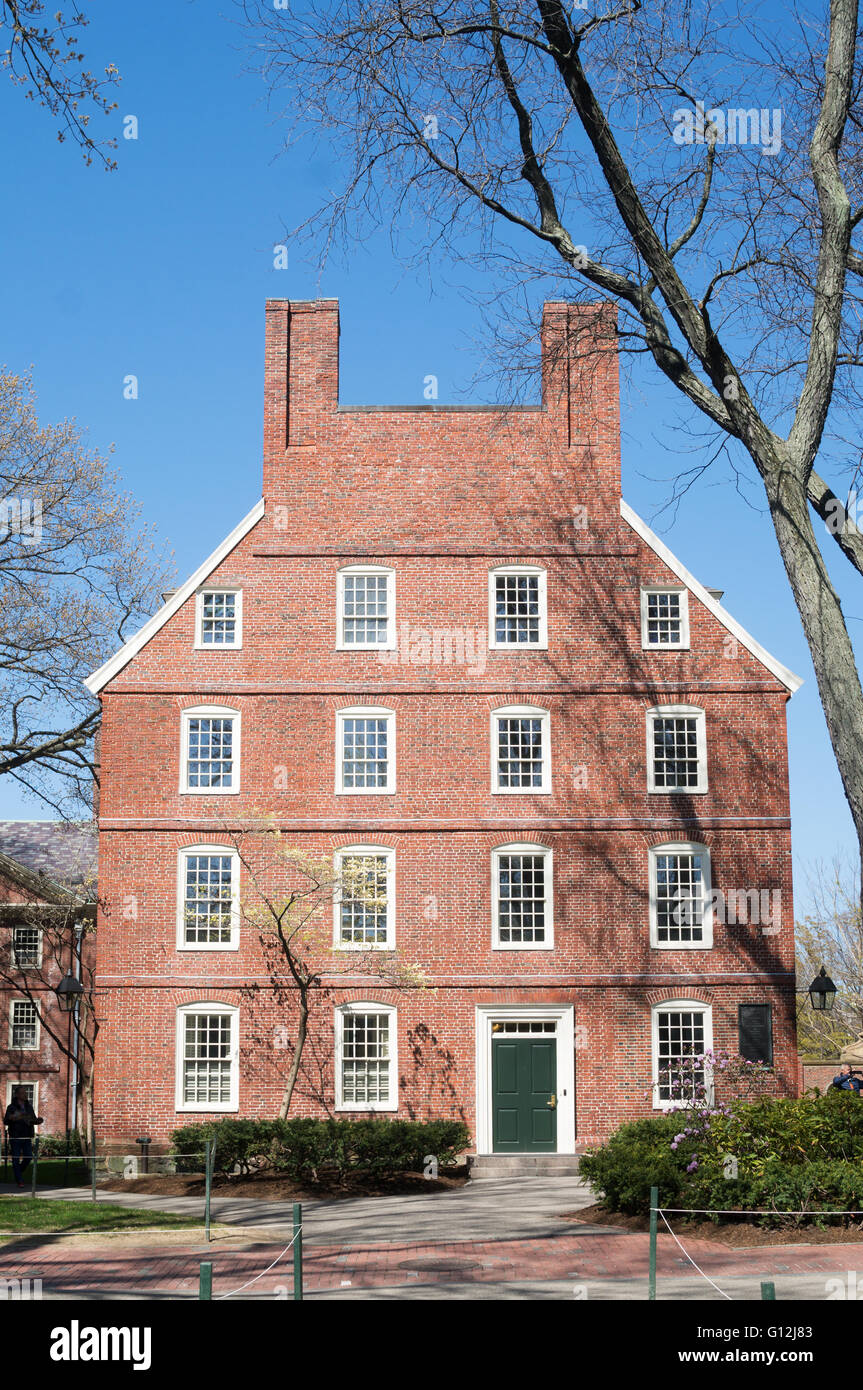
x=442 y=644
x=47 y=890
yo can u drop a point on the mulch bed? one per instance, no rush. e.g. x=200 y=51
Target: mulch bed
x=271 y=1188
x=737 y=1232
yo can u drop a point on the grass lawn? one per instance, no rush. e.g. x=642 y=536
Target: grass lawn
x=52 y=1172
x=42 y=1214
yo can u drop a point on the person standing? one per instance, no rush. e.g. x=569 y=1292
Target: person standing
x=20 y=1121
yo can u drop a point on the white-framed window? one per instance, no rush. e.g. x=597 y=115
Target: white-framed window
x=210 y=759
x=676 y=749
x=366 y=608
x=681 y=1029
x=30 y=1089
x=366 y=1057
x=522 y=897
x=219 y=619
x=207 y=1057
x=208 y=911
x=520 y=750
x=23 y=1026
x=366 y=750
x=681 y=915
x=664 y=618
x=26 y=947
x=518 y=607
x=364 y=908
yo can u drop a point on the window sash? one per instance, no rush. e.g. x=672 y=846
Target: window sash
x=208 y=899
x=364 y=921
x=366 y=1063
x=219 y=618
x=210 y=751
x=365 y=752
x=517 y=610
x=365 y=610
x=24 y=1026
x=26 y=947
x=208 y=1059
x=680 y=1034
x=680 y=896
x=520 y=752
x=676 y=752
x=522 y=898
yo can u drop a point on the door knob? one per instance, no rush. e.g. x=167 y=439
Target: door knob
x=552 y=1104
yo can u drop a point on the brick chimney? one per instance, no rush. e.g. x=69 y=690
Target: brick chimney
x=581 y=380
x=301 y=374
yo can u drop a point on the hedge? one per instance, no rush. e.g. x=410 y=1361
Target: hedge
x=800 y=1156
x=305 y=1149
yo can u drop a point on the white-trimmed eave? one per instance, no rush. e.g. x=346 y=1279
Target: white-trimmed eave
x=782 y=673
x=108 y=671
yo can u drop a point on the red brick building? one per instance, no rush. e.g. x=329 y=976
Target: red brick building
x=47 y=906
x=443 y=643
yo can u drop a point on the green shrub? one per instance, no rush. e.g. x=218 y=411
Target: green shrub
x=797 y=1155
x=304 y=1149
x=50 y=1144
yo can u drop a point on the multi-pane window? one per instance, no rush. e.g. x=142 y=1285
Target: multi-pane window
x=363 y=905
x=211 y=750
x=366 y=761
x=26 y=947
x=23 y=1026
x=207 y=1049
x=664 y=618
x=520 y=750
x=681 y=1034
x=680 y=896
x=517 y=601
x=676 y=749
x=219 y=617
x=365 y=1049
x=366 y=604
x=522 y=896
x=208 y=898
x=30 y=1089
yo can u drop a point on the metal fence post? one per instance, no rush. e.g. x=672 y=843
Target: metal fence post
x=35 y=1164
x=768 y=1291
x=205 y=1281
x=298 y=1250
x=208 y=1180
x=93 y=1170
x=651 y=1279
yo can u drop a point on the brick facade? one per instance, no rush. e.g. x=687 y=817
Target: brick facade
x=442 y=495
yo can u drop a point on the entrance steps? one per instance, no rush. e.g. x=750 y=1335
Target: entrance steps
x=523 y=1166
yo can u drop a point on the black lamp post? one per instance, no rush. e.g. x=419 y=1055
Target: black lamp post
x=69 y=991
x=822 y=992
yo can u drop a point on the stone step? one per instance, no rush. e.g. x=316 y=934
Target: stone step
x=523 y=1165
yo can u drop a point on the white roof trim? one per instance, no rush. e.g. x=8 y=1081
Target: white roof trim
x=108 y=671
x=775 y=667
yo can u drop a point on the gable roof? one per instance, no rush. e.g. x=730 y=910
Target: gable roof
x=51 y=861
x=110 y=668
x=782 y=673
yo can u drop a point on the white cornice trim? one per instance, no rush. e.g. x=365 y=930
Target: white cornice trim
x=787 y=678
x=108 y=671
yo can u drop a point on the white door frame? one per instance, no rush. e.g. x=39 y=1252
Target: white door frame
x=561 y=1014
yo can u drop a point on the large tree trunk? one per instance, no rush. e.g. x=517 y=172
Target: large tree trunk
x=826 y=633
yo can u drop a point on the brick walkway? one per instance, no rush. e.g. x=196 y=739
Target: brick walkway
x=158 y=1271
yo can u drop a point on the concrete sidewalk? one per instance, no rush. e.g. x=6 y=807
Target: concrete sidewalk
x=507 y=1208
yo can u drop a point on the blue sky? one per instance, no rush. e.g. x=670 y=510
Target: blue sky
x=161 y=270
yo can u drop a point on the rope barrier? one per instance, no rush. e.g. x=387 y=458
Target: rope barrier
x=752 y=1211
x=250 y=1282
x=692 y=1262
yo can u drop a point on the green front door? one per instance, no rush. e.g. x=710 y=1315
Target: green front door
x=523 y=1095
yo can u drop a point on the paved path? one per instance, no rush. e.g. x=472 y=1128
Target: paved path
x=576 y=1263
x=490 y=1240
